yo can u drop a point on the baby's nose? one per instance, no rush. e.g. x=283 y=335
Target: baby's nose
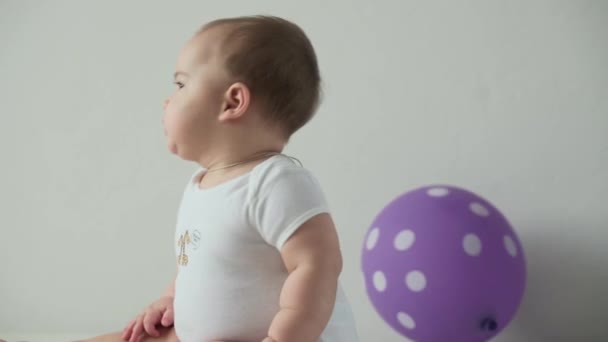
x=165 y=103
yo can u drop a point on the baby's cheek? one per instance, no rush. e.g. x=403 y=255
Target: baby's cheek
x=173 y=116
x=172 y=131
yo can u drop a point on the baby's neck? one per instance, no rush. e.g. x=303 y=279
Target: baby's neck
x=235 y=160
x=211 y=179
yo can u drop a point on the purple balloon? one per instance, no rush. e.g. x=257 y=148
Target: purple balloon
x=443 y=264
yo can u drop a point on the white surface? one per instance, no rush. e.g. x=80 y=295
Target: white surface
x=42 y=337
x=508 y=99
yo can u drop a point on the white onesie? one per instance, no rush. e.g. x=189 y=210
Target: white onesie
x=228 y=240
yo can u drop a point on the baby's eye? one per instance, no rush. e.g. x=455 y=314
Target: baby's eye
x=180 y=85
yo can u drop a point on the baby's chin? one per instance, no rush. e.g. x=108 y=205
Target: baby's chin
x=172 y=147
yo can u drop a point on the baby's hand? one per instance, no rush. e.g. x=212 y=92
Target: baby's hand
x=160 y=311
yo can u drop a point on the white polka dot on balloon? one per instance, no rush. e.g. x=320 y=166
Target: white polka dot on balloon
x=404 y=240
x=415 y=281
x=406 y=320
x=471 y=244
x=372 y=238
x=438 y=192
x=379 y=281
x=510 y=246
x=479 y=209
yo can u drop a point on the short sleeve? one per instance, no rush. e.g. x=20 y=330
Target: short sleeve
x=285 y=201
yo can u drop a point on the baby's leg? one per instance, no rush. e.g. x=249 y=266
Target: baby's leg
x=166 y=335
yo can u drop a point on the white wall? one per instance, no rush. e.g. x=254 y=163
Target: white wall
x=508 y=99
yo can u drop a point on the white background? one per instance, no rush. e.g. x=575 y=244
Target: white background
x=508 y=99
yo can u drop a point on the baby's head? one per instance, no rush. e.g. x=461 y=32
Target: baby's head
x=246 y=80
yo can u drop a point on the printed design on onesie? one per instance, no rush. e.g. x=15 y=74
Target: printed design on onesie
x=183 y=242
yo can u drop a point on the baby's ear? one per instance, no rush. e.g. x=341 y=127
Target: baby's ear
x=237 y=100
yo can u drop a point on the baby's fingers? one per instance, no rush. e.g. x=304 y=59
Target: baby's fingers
x=138 y=329
x=126 y=333
x=150 y=321
x=167 y=319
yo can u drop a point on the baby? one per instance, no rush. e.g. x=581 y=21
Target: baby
x=258 y=257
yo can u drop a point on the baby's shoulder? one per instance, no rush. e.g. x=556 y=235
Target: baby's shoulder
x=278 y=170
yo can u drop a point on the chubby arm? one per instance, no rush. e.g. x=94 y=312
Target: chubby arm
x=313 y=259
